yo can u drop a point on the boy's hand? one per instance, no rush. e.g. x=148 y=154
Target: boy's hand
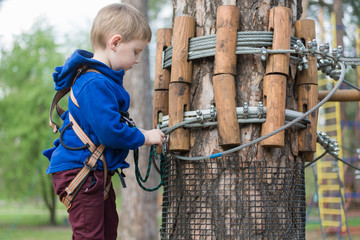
x=154 y=136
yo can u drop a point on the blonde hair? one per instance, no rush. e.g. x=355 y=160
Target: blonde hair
x=120 y=19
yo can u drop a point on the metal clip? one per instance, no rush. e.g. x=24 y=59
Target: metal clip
x=213 y=112
x=312 y=46
x=260 y=109
x=199 y=116
x=164 y=145
x=263 y=54
x=246 y=109
x=160 y=119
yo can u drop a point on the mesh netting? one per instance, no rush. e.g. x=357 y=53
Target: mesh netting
x=221 y=199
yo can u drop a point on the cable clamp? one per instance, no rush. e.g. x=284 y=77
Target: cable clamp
x=199 y=116
x=260 y=109
x=164 y=146
x=246 y=109
x=263 y=54
x=213 y=112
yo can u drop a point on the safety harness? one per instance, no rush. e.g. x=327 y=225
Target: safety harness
x=90 y=163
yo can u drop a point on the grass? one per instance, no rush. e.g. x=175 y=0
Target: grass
x=30 y=222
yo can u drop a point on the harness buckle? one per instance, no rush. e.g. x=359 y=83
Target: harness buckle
x=86 y=164
x=164 y=146
x=122 y=177
x=125 y=116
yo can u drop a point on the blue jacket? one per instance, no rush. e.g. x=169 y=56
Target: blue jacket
x=101 y=96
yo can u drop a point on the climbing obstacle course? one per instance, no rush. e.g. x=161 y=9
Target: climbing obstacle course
x=220 y=196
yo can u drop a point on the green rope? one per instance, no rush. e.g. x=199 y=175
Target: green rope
x=138 y=175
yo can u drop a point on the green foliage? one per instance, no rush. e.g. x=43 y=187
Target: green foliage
x=351 y=8
x=355 y=6
x=155 y=7
x=26 y=90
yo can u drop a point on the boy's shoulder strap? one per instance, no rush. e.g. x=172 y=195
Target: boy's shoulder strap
x=61 y=93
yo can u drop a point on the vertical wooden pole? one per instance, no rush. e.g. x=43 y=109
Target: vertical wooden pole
x=162 y=79
x=227 y=22
x=224 y=75
x=181 y=78
x=307 y=83
x=162 y=76
x=277 y=70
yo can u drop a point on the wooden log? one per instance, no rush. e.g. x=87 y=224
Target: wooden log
x=181 y=69
x=277 y=70
x=181 y=78
x=224 y=71
x=307 y=81
x=346 y=95
x=228 y=126
x=274 y=88
x=305 y=30
x=162 y=75
x=160 y=108
x=307 y=98
x=162 y=79
x=227 y=22
x=161 y=105
x=280 y=25
x=179 y=102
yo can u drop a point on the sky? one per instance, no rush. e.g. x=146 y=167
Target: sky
x=67 y=16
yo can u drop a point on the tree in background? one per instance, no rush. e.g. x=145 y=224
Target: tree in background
x=347 y=18
x=139 y=209
x=26 y=91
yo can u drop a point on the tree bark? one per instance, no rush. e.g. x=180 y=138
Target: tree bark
x=138 y=214
x=255 y=193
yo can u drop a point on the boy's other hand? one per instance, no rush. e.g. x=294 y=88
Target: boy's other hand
x=154 y=136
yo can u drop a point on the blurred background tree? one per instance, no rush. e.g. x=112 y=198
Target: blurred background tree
x=26 y=90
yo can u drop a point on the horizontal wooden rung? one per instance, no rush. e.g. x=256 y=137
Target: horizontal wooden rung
x=345 y=95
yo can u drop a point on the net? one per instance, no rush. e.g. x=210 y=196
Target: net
x=223 y=198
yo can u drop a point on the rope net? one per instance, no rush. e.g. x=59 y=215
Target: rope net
x=225 y=198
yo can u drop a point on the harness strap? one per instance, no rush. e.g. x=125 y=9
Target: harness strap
x=96 y=151
x=59 y=95
x=89 y=165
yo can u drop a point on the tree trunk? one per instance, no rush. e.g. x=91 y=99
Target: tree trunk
x=338 y=10
x=49 y=196
x=138 y=214
x=255 y=193
x=305 y=6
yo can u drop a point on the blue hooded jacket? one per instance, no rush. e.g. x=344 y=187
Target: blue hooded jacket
x=101 y=97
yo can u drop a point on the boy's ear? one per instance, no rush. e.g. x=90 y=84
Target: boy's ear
x=114 y=41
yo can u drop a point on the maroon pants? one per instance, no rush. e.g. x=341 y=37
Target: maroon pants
x=91 y=217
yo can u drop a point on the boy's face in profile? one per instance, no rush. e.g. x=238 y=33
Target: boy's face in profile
x=125 y=54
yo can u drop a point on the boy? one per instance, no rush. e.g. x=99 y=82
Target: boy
x=118 y=35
